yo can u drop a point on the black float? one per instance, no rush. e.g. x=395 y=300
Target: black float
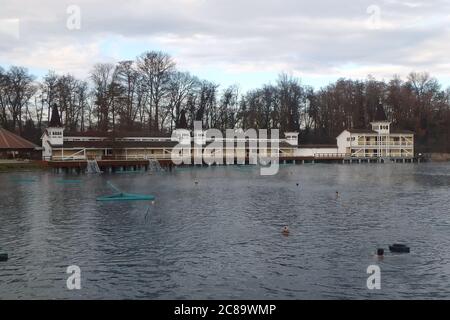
x=3 y=257
x=399 y=248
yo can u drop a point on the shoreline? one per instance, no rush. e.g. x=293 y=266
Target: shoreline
x=439 y=157
x=7 y=166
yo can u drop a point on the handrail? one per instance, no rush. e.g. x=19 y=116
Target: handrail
x=374 y=144
x=330 y=155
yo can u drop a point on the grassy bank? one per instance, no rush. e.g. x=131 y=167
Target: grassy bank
x=20 y=166
x=439 y=157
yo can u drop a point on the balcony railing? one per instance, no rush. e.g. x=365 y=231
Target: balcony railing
x=391 y=144
x=330 y=155
x=66 y=158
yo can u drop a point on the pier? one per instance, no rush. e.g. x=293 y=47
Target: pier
x=137 y=165
x=109 y=166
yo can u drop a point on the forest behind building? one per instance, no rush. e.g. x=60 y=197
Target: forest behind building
x=150 y=95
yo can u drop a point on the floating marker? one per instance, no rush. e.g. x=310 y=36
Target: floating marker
x=3 y=257
x=399 y=248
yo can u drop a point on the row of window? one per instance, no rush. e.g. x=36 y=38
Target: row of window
x=368 y=139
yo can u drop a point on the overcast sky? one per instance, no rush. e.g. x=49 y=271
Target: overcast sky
x=233 y=41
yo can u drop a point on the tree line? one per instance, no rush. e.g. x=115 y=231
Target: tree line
x=150 y=95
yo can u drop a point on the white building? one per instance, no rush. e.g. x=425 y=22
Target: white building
x=53 y=136
x=379 y=142
x=59 y=145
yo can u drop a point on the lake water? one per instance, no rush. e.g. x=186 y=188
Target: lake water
x=221 y=238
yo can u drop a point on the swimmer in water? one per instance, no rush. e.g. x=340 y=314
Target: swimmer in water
x=285 y=231
x=380 y=254
x=337 y=194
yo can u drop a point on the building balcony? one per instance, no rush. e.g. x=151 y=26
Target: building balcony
x=384 y=145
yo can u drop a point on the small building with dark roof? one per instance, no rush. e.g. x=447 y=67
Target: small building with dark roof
x=14 y=146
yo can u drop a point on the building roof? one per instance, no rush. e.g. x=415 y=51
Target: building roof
x=368 y=131
x=55 y=120
x=380 y=115
x=117 y=134
x=399 y=131
x=361 y=131
x=317 y=146
x=110 y=144
x=11 y=141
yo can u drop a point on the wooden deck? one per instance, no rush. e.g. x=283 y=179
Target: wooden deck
x=101 y=163
x=139 y=164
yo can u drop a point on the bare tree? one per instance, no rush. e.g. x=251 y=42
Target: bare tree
x=48 y=89
x=156 y=68
x=181 y=85
x=17 y=90
x=106 y=90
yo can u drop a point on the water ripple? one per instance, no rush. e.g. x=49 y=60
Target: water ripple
x=221 y=239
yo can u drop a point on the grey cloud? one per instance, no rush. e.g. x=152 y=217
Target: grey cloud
x=307 y=36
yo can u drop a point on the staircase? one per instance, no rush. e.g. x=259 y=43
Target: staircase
x=154 y=166
x=92 y=167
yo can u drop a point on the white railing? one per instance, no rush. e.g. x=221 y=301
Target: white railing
x=74 y=158
x=138 y=157
x=80 y=155
x=375 y=144
x=330 y=155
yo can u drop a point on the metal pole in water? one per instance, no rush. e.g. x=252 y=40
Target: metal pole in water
x=113 y=187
